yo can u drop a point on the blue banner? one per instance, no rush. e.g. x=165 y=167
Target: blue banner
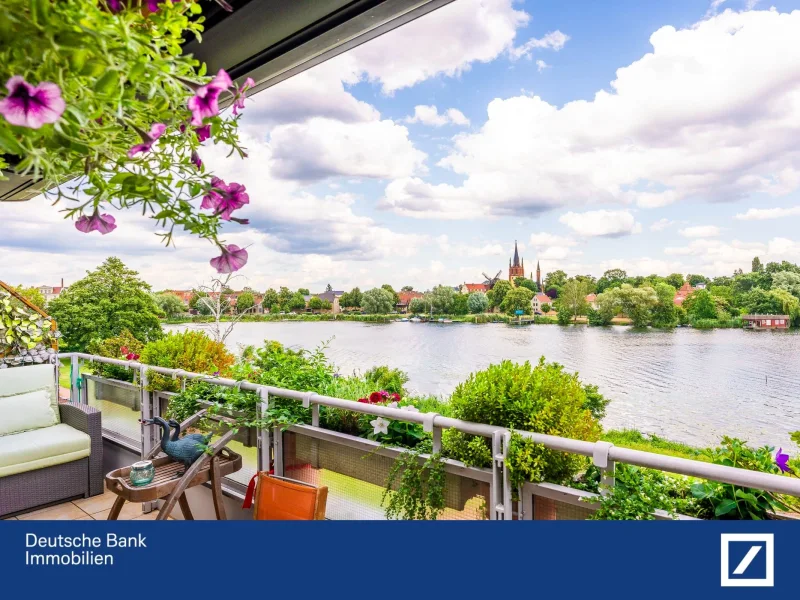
x=580 y=559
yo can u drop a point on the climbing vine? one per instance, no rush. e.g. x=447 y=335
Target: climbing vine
x=420 y=486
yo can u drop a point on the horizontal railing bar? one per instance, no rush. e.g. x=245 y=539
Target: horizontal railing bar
x=682 y=466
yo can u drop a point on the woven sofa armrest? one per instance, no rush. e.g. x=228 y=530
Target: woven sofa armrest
x=88 y=419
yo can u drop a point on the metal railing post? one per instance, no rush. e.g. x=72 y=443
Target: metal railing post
x=263 y=441
x=74 y=375
x=147 y=412
x=606 y=466
x=501 y=485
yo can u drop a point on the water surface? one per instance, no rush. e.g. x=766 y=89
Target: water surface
x=684 y=384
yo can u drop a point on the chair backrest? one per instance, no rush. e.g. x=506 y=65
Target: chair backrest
x=281 y=499
x=28 y=378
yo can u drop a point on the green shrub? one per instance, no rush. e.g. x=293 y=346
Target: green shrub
x=112 y=348
x=540 y=399
x=634 y=439
x=388 y=379
x=191 y=351
x=279 y=366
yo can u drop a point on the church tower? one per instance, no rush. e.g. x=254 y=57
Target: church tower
x=539 y=276
x=516 y=266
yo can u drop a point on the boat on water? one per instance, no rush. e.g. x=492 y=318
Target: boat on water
x=415 y=320
x=403 y=320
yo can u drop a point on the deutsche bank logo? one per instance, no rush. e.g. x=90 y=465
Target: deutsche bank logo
x=748 y=560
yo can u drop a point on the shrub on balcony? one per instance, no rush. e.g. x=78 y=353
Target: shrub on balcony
x=119 y=347
x=541 y=399
x=100 y=94
x=191 y=351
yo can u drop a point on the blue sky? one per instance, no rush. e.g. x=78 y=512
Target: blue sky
x=656 y=137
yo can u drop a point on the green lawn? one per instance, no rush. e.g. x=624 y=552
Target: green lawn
x=633 y=439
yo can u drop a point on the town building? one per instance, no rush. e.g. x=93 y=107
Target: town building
x=591 y=300
x=471 y=288
x=516 y=265
x=184 y=296
x=683 y=293
x=331 y=296
x=766 y=321
x=49 y=292
x=405 y=299
x=538 y=300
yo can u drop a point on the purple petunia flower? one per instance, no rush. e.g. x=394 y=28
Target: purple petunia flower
x=103 y=223
x=156 y=131
x=782 y=460
x=196 y=159
x=152 y=5
x=232 y=259
x=32 y=106
x=205 y=102
x=115 y=6
x=238 y=102
x=225 y=198
x=203 y=133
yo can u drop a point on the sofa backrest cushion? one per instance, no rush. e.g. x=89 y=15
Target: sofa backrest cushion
x=16 y=380
x=24 y=412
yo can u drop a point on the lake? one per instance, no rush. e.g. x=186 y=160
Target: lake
x=687 y=385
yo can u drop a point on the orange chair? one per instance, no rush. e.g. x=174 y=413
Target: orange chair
x=282 y=499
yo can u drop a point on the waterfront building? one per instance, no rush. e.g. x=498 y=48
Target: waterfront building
x=683 y=293
x=538 y=300
x=766 y=321
x=406 y=297
x=591 y=300
x=471 y=288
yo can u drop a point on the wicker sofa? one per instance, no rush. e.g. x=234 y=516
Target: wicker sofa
x=50 y=455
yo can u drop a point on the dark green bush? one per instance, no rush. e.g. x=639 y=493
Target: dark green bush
x=388 y=379
x=111 y=348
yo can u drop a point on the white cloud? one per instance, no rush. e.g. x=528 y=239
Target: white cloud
x=661 y=225
x=717 y=257
x=714 y=7
x=553 y=40
x=544 y=239
x=541 y=65
x=700 y=231
x=429 y=115
x=444 y=42
x=761 y=214
x=646 y=139
x=469 y=250
x=322 y=148
x=607 y=223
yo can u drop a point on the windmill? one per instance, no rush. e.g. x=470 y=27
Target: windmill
x=490 y=281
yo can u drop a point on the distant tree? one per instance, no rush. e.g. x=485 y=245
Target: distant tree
x=99 y=306
x=196 y=304
x=664 y=315
x=270 y=299
x=772 y=302
x=546 y=308
x=756 y=266
x=460 y=304
x=377 y=301
x=351 y=299
x=611 y=278
x=608 y=307
x=498 y=293
x=215 y=302
x=441 y=299
x=526 y=283
x=675 y=280
x=329 y=288
x=296 y=301
x=394 y=294
x=169 y=304
x=477 y=302
x=284 y=298
x=591 y=283
x=517 y=299
x=787 y=280
x=417 y=306
x=31 y=294
x=552 y=293
x=303 y=291
x=700 y=305
x=773 y=267
x=317 y=303
x=245 y=302
x=407 y=288
x=573 y=298
x=556 y=280
x=636 y=303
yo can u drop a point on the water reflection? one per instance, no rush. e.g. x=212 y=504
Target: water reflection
x=688 y=385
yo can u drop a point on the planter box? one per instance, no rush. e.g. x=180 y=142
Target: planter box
x=121 y=394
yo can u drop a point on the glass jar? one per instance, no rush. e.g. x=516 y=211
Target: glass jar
x=142 y=472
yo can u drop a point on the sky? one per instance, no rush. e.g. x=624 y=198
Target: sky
x=654 y=137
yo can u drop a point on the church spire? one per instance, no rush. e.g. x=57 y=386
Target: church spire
x=516 y=254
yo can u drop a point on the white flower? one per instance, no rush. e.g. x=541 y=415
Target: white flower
x=380 y=425
x=410 y=408
x=392 y=405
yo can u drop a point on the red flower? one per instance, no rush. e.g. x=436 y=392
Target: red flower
x=132 y=356
x=124 y=350
x=375 y=397
x=363 y=400
x=396 y=397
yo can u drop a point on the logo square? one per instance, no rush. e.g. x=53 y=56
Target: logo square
x=747 y=559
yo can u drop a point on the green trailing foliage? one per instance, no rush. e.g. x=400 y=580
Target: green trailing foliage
x=415 y=486
x=25 y=335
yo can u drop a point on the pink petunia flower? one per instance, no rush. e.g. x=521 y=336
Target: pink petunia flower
x=205 y=102
x=103 y=223
x=148 y=139
x=196 y=160
x=232 y=259
x=152 y=5
x=203 y=133
x=32 y=106
x=238 y=102
x=225 y=198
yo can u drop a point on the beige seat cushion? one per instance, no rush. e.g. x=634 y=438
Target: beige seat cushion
x=24 y=412
x=39 y=448
x=17 y=380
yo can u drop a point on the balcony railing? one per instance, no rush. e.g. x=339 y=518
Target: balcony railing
x=355 y=469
